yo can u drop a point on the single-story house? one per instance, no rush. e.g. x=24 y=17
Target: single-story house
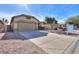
x=2 y=26
x=49 y=26
x=24 y=23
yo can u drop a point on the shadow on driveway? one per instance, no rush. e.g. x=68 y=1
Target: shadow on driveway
x=12 y=36
x=34 y=34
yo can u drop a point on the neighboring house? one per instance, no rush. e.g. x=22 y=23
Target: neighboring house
x=54 y=26
x=8 y=28
x=24 y=23
x=2 y=26
x=49 y=26
x=62 y=25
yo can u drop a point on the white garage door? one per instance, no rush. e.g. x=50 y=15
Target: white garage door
x=26 y=27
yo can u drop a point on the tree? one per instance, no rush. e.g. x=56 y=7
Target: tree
x=6 y=21
x=50 y=20
x=74 y=20
x=3 y=19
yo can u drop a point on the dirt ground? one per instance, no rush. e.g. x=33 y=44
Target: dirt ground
x=13 y=36
x=12 y=43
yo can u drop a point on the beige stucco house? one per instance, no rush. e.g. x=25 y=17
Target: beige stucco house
x=49 y=26
x=2 y=26
x=24 y=23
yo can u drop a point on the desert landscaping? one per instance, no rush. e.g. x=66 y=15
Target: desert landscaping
x=34 y=37
x=39 y=30
x=38 y=42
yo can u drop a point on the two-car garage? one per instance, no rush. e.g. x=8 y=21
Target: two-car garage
x=24 y=23
x=27 y=26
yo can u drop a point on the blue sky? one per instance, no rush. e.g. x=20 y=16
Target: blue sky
x=60 y=11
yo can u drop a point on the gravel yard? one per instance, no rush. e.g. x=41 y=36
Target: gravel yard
x=13 y=36
x=19 y=47
x=14 y=43
x=1 y=35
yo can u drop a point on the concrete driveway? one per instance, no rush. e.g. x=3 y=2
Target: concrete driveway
x=52 y=43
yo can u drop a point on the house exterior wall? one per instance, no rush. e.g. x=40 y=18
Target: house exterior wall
x=22 y=18
x=12 y=26
x=2 y=27
x=49 y=26
x=53 y=26
x=36 y=26
x=23 y=24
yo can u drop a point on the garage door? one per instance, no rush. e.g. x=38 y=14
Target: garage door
x=26 y=27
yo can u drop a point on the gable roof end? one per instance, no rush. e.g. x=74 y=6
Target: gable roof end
x=2 y=22
x=27 y=16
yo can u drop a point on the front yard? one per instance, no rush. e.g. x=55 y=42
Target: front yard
x=15 y=43
x=38 y=42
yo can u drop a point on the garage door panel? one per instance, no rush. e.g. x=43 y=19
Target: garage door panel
x=26 y=27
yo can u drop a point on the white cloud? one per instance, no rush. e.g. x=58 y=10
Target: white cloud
x=61 y=21
x=24 y=8
x=6 y=16
x=21 y=8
